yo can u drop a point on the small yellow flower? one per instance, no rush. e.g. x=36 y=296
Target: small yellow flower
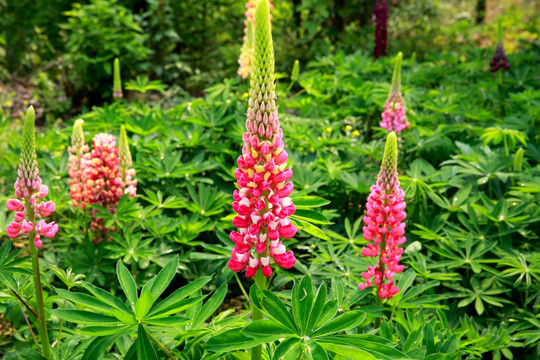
x=355 y=133
x=62 y=147
x=319 y=138
x=7 y=103
x=348 y=128
x=25 y=102
x=21 y=114
x=328 y=129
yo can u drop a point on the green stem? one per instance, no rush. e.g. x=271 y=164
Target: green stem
x=161 y=346
x=46 y=346
x=256 y=314
x=60 y=329
x=242 y=288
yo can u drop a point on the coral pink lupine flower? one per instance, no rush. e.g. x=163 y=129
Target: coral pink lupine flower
x=393 y=116
x=28 y=206
x=384 y=226
x=262 y=201
x=102 y=181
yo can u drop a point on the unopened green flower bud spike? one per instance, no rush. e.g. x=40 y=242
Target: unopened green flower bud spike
x=117 y=81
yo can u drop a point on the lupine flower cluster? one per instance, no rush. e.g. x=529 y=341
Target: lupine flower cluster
x=381 y=28
x=384 y=225
x=246 y=52
x=29 y=207
x=393 y=116
x=499 y=61
x=100 y=177
x=262 y=201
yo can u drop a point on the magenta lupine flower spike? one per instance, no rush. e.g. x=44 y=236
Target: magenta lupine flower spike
x=78 y=157
x=262 y=201
x=246 y=52
x=29 y=207
x=393 y=116
x=127 y=174
x=499 y=61
x=381 y=28
x=384 y=225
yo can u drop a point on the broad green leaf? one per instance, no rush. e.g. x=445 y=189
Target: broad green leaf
x=174 y=308
x=231 y=340
x=143 y=305
x=328 y=312
x=164 y=278
x=343 y=322
x=348 y=351
x=302 y=301
x=180 y=294
x=106 y=297
x=145 y=350
x=99 y=345
x=309 y=202
x=316 y=351
x=127 y=282
x=317 y=308
x=267 y=328
x=374 y=345
x=103 y=330
x=287 y=350
x=311 y=216
x=313 y=230
x=169 y=321
x=85 y=317
x=211 y=305
x=83 y=299
x=275 y=309
x=125 y=317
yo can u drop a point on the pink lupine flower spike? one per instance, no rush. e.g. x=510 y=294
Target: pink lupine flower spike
x=384 y=226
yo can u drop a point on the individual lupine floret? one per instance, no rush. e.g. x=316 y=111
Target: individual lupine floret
x=262 y=201
x=29 y=206
x=381 y=28
x=127 y=174
x=78 y=157
x=102 y=180
x=117 y=82
x=384 y=225
x=246 y=52
x=393 y=116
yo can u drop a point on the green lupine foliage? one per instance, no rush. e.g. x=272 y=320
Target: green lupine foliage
x=396 y=76
x=123 y=149
x=263 y=77
x=28 y=161
x=77 y=136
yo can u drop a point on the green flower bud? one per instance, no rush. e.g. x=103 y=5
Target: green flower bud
x=295 y=71
x=123 y=149
x=117 y=82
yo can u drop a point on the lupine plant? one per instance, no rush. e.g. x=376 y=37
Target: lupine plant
x=393 y=116
x=30 y=211
x=384 y=226
x=381 y=28
x=500 y=60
